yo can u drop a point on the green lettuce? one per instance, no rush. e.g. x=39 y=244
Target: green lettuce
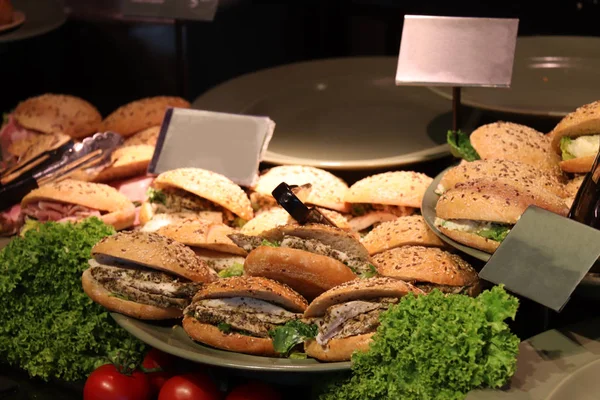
x=235 y=269
x=156 y=196
x=564 y=148
x=460 y=146
x=293 y=333
x=495 y=232
x=265 y=242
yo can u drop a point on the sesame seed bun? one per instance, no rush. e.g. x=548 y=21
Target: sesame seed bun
x=572 y=186
x=327 y=190
x=471 y=240
x=483 y=200
x=203 y=234
x=58 y=113
x=585 y=120
x=428 y=265
x=141 y=114
x=126 y=162
x=505 y=171
x=147 y=136
x=209 y=185
x=154 y=251
x=34 y=145
x=255 y=287
x=119 y=211
x=399 y=188
x=403 y=231
x=338 y=349
x=359 y=289
x=106 y=299
x=510 y=141
x=579 y=165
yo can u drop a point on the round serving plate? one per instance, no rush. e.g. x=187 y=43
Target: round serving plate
x=39 y=17
x=17 y=20
x=173 y=339
x=343 y=113
x=552 y=76
x=588 y=287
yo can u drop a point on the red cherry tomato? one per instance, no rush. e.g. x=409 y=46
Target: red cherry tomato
x=156 y=359
x=254 y=391
x=107 y=383
x=196 y=386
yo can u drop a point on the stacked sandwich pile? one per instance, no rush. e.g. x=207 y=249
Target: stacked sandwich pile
x=255 y=281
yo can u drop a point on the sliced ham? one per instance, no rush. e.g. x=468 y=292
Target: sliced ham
x=134 y=189
x=10 y=133
x=60 y=212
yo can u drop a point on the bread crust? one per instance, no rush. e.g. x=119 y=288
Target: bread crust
x=141 y=114
x=507 y=171
x=92 y=195
x=36 y=144
x=585 y=120
x=147 y=136
x=100 y=295
x=157 y=252
x=580 y=165
x=58 y=113
x=338 y=349
x=208 y=185
x=122 y=219
x=203 y=234
x=471 y=240
x=399 y=188
x=510 y=141
x=146 y=212
x=425 y=264
x=277 y=216
x=212 y=336
x=307 y=273
x=404 y=231
x=126 y=162
x=494 y=201
x=359 y=289
x=327 y=191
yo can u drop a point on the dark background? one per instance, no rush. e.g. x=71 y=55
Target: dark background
x=110 y=61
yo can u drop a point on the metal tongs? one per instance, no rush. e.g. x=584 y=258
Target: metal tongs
x=586 y=206
x=286 y=198
x=55 y=165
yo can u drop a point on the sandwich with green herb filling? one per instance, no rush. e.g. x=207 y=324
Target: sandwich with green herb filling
x=243 y=314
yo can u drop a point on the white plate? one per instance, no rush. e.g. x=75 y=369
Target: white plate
x=342 y=113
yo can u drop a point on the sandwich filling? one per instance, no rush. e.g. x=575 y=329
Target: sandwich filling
x=489 y=230
x=351 y=319
x=356 y=264
x=175 y=200
x=12 y=136
x=365 y=216
x=44 y=211
x=582 y=146
x=143 y=285
x=242 y=315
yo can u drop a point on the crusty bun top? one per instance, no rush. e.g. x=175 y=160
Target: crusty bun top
x=407 y=230
x=327 y=189
x=336 y=238
x=147 y=136
x=399 y=188
x=154 y=251
x=37 y=144
x=502 y=170
x=209 y=185
x=359 y=289
x=425 y=264
x=58 y=113
x=585 y=120
x=92 y=195
x=495 y=202
x=510 y=141
x=255 y=287
x=141 y=114
x=277 y=216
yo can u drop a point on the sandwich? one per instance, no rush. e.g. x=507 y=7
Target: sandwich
x=429 y=268
x=144 y=275
x=25 y=150
x=277 y=216
x=385 y=197
x=326 y=190
x=481 y=213
x=141 y=114
x=506 y=171
x=239 y=314
x=6 y=12
x=577 y=138
x=195 y=191
x=347 y=316
x=70 y=201
x=128 y=160
x=310 y=259
x=210 y=241
x=510 y=141
x=403 y=231
x=48 y=114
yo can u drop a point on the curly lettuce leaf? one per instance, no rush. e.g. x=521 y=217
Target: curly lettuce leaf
x=565 y=142
x=293 y=333
x=460 y=146
x=235 y=269
x=497 y=233
x=435 y=347
x=156 y=196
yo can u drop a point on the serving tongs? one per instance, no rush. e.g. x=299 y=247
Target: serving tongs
x=58 y=164
x=586 y=206
x=285 y=196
